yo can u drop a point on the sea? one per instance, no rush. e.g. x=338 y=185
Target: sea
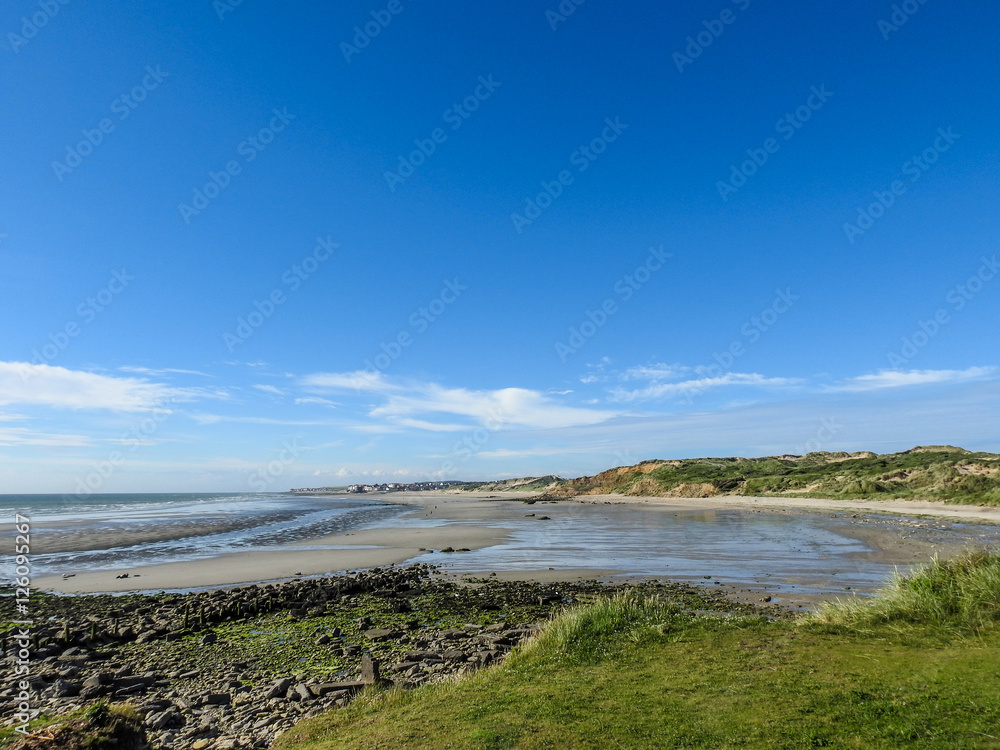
x=94 y=533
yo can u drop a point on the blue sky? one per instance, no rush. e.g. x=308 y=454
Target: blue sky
x=251 y=246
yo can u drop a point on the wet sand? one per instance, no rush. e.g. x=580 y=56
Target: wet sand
x=894 y=533
x=353 y=551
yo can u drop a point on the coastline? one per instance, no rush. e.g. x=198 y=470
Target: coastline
x=966 y=513
x=896 y=533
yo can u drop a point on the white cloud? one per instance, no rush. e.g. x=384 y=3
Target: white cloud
x=360 y=380
x=205 y=418
x=699 y=385
x=407 y=403
x=19 y=436
x=160 y=371
x=900 y=379
x=656 y=372
x=23 y=383
x=504 y=407
x=270 y=389
x=422 y=424
x=316 y=401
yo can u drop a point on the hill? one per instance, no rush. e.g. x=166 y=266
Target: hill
x=940 y=472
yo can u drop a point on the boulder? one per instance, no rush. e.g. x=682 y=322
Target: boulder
x=279 y=688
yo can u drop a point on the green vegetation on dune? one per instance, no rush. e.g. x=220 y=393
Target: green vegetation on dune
x=961 y=594
x=924 y=473
x=636 y=672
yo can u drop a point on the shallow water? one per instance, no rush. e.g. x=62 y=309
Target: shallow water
x=788 y=552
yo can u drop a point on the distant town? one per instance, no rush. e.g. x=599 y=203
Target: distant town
x=387 y=487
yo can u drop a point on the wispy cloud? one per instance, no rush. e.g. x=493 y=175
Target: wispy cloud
x=693 y=386
x=657 y=372
x=901 y=379
x=203 y=418
x=160 y=371
x=19 y=436
x=274 y=390
x=411 y=403
x=360 y=380
x=58 y=387
x=315 y=401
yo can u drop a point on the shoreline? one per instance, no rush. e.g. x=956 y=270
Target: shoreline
x=987 y=514
x=895 y=532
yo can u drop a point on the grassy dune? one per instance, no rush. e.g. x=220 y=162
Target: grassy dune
x=917 y=667
x=924 y=473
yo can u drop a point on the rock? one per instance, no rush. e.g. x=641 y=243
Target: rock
x=65 y=689
x=201 y=744
x=381 y=634
x=303 y=692
x=218 y=699
x=163 y=719
x=97 y=681
x=208 y=638
x=454 y=654
x=370 y=673
x=279 y=688
x=323 y=640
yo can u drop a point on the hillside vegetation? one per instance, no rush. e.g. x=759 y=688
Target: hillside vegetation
x=901 y=671
x=924 y=473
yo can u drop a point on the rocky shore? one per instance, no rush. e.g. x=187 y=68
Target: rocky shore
x=233 y=668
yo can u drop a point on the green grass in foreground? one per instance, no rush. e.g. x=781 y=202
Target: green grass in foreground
x=961 y=594
x=639 y=673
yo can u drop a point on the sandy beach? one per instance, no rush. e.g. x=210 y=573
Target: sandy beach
x=893 y=533
x=915 y=508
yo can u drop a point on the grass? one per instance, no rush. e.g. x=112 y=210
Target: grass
x=100 y=726
x=634 y=672
x=961 y=594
